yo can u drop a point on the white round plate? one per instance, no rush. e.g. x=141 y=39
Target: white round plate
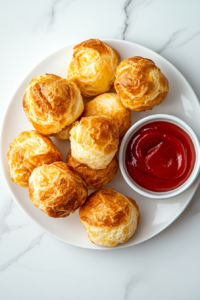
x=156 y=215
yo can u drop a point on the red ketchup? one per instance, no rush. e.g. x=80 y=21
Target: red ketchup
x=160 y=156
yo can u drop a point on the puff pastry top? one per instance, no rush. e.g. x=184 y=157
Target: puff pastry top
x=94 y=179
x=93 y=67
x=57 y=189
x=29 y=150
x=110 y=105
x=109 y=217
x=140 y=84
x=94 y=141
x=52 y=103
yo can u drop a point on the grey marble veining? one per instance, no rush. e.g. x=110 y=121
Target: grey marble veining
x=54 y=9
x=190 y=38
x=175 y=38
x=5 y=211
x=171 y=39
x=132 y=9
x=34 y=243
x=130 y=286
x=52 y=14
x=126 y=10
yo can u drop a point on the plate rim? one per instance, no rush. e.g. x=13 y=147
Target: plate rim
x=5 y=113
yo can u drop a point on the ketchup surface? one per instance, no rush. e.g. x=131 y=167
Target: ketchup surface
x=160 y=156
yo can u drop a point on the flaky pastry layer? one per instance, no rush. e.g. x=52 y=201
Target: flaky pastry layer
x=51 y=103
x=94 y=179
x=57 y=189
x=109 y=217
x=93 y=67
x=29 y=150
x=140 y=84
x=109 y=104
x=94 y=141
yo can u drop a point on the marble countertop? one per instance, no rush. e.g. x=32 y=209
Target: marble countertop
x=34 y=265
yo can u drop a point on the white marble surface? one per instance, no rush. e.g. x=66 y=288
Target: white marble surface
x=33 y=265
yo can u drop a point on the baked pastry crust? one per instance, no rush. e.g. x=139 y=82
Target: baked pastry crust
x=94 y=179
x=109 y=104
x=140 y=84
x=29 y=150
x=57 y=189
x=94 y=141
x=51 y=103
x=64 y=134
x=93 y=67
x=109 y=217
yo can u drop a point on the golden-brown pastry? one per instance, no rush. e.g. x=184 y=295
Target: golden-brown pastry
x=109 y=104
x=109 y=217
x=51 y=103
x=57 y=189
x=140 y=84
x=94 y=179
x=64 y=134
x=93 y=67
x=29 y=150
x=94 y=141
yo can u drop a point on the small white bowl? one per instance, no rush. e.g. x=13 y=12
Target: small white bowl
x=122 y=152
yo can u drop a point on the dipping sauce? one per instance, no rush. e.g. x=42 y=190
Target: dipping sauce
x=160 y=156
